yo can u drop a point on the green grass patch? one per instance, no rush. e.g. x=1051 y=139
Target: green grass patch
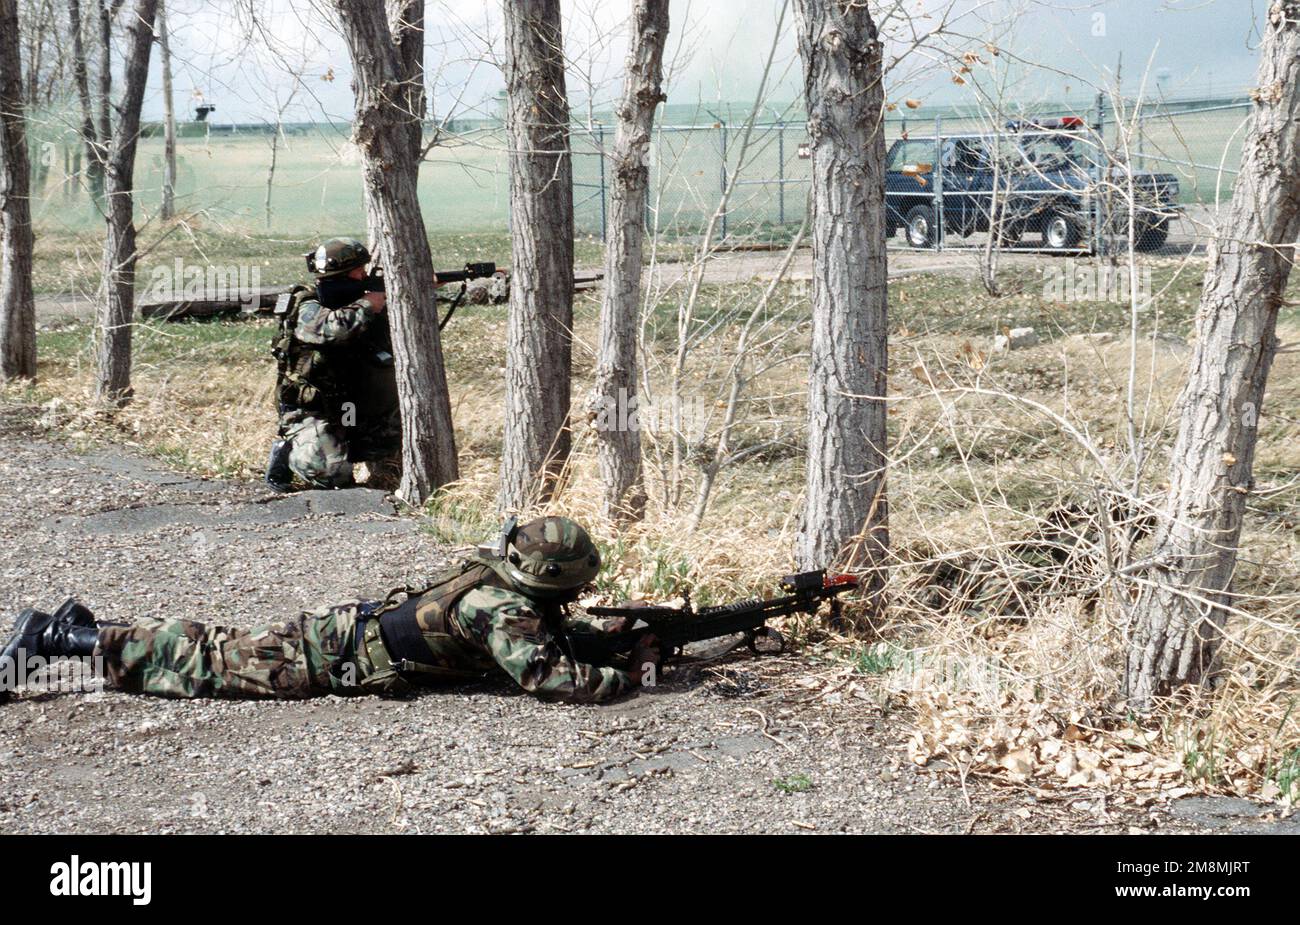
x=795 y=783
x=879 y=659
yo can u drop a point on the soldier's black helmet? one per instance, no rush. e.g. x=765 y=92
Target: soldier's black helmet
x=336 y=257
x=549 y=556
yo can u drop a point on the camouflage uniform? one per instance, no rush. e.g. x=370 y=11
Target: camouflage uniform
x=336 y=387
x=486 y=630
x=302 y=657
x=317 y=413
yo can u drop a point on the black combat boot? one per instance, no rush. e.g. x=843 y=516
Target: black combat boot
x=70 y=630
x=278 y=474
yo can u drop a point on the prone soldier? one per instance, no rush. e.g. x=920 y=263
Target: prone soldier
x=500 y=612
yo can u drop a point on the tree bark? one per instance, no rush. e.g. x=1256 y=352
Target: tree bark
x=539 y=337
x=618 y=440
x=17 y=309
x=94 y=160
x=845 y=513
x=168 y=208
x=1181 y=610
x=387 y=53
x=104 y=84
x=117 y=296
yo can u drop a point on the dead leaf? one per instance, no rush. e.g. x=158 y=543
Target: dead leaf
x=1018 y=764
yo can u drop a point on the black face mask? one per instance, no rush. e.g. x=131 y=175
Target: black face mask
x=337 y=291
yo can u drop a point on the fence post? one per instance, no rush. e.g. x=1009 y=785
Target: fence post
x=652 y=155
x=937 y=242
x=722 y=190
x=1141 y=140
x=600 y=153
x=780 y=173
x=1095 y=214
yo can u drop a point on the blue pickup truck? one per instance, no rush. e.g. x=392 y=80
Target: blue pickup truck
x=1047 y=176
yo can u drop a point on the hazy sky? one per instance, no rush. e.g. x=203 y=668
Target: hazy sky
x=717 y=47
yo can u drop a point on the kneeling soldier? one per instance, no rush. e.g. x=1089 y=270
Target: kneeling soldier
x=501 y=611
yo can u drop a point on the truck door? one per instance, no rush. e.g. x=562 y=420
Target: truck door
x=968 y=182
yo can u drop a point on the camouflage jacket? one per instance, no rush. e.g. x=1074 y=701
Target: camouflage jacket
x=319 y=348
x=510 y=630
x=321 y=326
x=486 y=629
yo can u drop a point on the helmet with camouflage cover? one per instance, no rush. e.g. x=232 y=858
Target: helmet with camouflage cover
x=337 y=256
x=549 y=556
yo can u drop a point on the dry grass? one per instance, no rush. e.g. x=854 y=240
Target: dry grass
x=1008 y=615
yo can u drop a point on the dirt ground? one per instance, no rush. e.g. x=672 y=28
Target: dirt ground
x=729 y=747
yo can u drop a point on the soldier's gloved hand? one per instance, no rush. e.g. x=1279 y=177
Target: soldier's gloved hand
x=377 y=300
x=614 y=624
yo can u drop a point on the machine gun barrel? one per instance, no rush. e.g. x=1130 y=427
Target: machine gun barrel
x=471 y=271
x=375 y=281
x=674 y=627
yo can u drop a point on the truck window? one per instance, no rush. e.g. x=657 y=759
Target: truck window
x=911 y=154
x=1058 y=152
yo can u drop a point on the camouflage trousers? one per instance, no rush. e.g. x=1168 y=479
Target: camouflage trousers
x=319 y=453
x=310 y=655
x=322 y=453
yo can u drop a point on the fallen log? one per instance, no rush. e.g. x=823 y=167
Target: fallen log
x=248 y=303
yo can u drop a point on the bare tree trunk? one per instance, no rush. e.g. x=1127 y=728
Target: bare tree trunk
x=275 y=146
x=117 y=298
x=107 y=11
x=387 y=54
x=1181 y=611
x=94 y=156
x=270 y=173
x=618 y=443
x=539 y=339
x=845 y=514
x=169 y=119
x=17 y=310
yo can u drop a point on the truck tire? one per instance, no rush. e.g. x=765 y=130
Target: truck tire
x=1059 y=230
x=1153 y=237
x=919 y=229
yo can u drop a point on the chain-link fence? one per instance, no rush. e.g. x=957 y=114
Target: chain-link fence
x=1058 y=182
x=305 y=177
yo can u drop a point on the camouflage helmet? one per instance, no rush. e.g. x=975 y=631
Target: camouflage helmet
x=337 y=256
x=549 y=556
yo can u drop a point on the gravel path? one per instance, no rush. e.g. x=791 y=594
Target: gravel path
x=698 y=754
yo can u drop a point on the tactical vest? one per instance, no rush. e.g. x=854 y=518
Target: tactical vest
x=306 y=379
x=424 y=642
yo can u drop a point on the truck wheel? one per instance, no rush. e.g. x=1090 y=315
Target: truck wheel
x=1153 y=237
x=920 y=226
x=1059 y=231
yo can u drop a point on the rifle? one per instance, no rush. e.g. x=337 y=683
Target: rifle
x=676 y=626
x=472 y=271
